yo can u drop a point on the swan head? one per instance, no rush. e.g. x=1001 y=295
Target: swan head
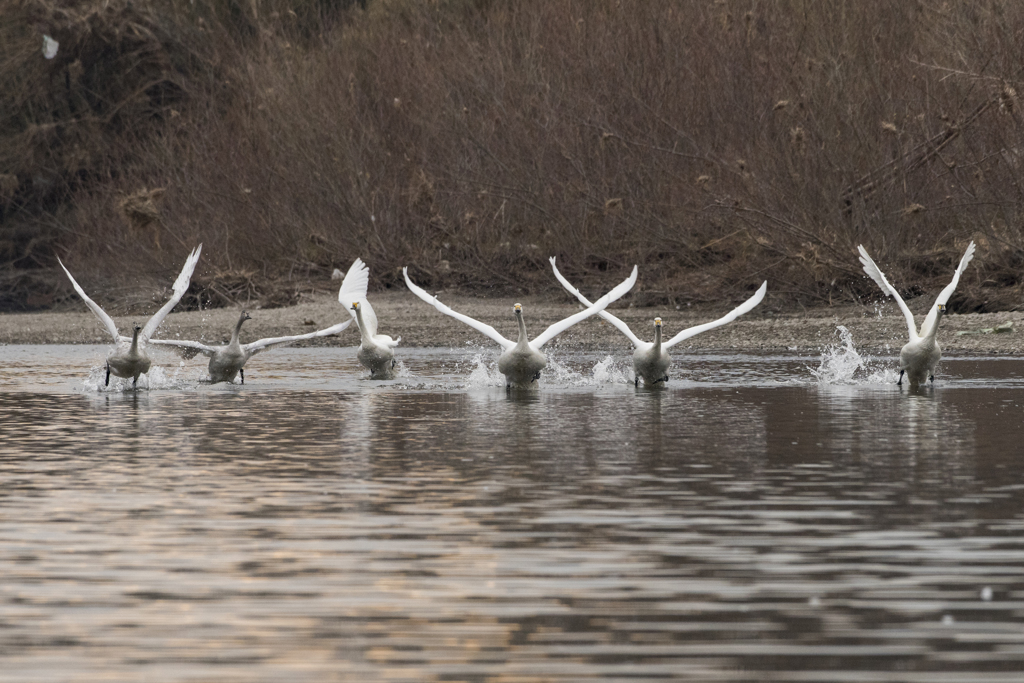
x=657 y=322
x=136 y=327
x=355 y=306
x=518 y=308
x=246 y=316
x=942 y=308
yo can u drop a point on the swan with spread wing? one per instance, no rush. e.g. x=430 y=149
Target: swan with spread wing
x=129 y=357
x=521 y=361
x=228 y=360
x=919 y=356
x=376 y=351
x=651 y=359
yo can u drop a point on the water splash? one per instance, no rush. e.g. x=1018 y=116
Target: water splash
x=841 y=363
x=556 y=373
x=608 y=371
x=484 y=376
x=401 y=370
x=157 y=378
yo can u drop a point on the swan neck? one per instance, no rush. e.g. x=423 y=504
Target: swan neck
x=135 y=341
x=935 y=328
x=362 y=328
x=238 y=329
x=657 y=337
x=523 y=338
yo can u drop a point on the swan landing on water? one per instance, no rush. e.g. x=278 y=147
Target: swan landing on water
x=651 y=360
x=376 y=351
x=522 y=361
x=228 y=360
x=918 y=356
x=133 y=361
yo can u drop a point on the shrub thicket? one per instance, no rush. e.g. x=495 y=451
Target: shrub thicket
x=714 y=143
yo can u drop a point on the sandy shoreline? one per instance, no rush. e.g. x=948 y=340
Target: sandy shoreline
x=401 y=314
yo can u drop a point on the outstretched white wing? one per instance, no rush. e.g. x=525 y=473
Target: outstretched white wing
x=547 y=335
x=188 y=349
x=252 y=348
x=875 y=274
x=745 y=307
x=475 y=324
x=929 y=322
x=107 y=321
x=622 y=327
x=180 y=287
x=353 y=289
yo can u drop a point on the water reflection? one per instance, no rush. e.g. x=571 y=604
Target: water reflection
x=749 y=527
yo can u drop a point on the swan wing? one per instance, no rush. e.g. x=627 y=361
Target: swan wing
x=929 y=322
x=598 y=306
x=875 y=274
x=475 y=324
x=386 y=340
x=107 y=321
x=255 y=347
x=188 y=349
x=353 y=287
x=369 y=318
x=179 y=289
x=622 y=327
x=745 y=307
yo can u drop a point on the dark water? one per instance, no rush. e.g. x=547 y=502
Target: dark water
x=749 y=523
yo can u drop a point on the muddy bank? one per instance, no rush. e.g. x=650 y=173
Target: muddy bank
x=401 y=314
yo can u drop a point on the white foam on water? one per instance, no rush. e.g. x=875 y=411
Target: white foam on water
x=841 y=363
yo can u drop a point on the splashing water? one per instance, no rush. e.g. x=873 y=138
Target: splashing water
x=608 y=371
x=484 y=376
x=158 y=377
x=401 y=371
x=842 y=364
x=556 y=373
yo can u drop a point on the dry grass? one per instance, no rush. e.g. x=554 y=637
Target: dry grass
x=716 y=144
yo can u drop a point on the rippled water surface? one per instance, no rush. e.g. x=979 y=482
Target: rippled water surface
x=760 y=519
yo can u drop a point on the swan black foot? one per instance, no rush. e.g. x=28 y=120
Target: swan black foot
x=537 y=376
x=106 y=382
x=899 y=382
x=241 y=372
x=636 y=381
x=135 y=382
x=931 y=378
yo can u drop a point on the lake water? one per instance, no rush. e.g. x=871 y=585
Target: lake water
x=775 y=518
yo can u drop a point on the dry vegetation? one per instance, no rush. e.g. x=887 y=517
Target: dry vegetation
x=716 y=143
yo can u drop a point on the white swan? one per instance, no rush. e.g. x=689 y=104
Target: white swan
x=133 y=361
x=651 y=360
x=376 y=351
x=229 y=359
x=522 y=361
x=919 y=356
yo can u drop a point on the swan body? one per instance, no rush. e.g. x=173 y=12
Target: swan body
x=522 y=361
x=228 y=360
x=651 y=359
x=130 y=363
x=376 y=351
x=129 y=358
x=921 y=354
